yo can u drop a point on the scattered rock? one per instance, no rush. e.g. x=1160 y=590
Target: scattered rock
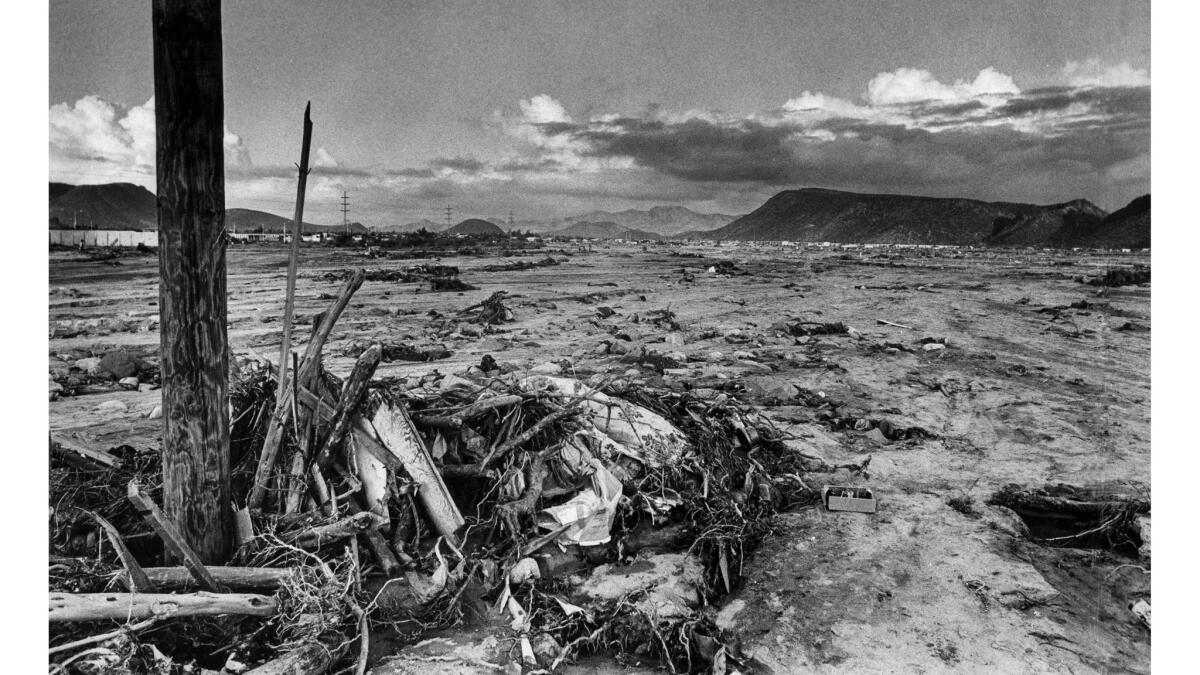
x=1142 y=525
x=714 y=357
x=548 y=368
x=934 y=346
x=877 y=436
x=112 y=406
x=90 y=365
x=128 y=382
x=156 y=413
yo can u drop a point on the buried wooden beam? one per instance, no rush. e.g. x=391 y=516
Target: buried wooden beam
x=133 y=606
x=189 y=117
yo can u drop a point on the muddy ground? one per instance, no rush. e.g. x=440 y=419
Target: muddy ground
x=1027 y=390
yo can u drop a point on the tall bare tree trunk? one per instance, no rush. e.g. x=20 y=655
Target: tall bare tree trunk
x=189 y=120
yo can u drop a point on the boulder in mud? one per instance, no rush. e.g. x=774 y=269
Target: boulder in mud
x=120 y=364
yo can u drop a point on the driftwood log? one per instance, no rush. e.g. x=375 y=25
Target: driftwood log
x=236 y=578
x=352 y=395
x=133 y=606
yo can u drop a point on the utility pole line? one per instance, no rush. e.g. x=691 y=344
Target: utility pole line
x=447 y=215
x=345 y=211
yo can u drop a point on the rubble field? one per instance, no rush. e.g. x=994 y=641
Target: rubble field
x=996 y=403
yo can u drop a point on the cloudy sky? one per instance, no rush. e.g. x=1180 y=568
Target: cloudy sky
x=553 y=108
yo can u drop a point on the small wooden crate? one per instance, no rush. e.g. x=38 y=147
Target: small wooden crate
x=848 y=498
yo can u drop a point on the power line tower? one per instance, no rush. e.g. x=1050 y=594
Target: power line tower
x=345 y=211
x=510 y=221
x=448 y=212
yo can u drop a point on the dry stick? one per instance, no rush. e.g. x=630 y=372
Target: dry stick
x=537 y=544
x=897 y=325
x=345 y=528
x=170 y=535
x=132 y=628
x=470 y=470
x=126 y=606
x=285 y=346
x=270 y=450
x=468 y=413
x=352 y=395
x=136 y=579
x=302 y=421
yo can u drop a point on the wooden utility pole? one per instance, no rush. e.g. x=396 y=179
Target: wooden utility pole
x=189 y=115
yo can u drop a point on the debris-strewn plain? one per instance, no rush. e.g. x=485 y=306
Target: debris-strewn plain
x=613 y=457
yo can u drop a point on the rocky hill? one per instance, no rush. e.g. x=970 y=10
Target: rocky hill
x=815 y=215
x=475 y=226
x=125 y=206
x=112 y=206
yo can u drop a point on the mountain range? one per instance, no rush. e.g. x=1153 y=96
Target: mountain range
x=125 y=206
x=808 y=215
x=816 y=214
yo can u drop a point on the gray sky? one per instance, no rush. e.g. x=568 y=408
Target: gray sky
x=552 y=108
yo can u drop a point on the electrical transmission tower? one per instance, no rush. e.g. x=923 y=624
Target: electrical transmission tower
x=345 y=211
x=448 y=211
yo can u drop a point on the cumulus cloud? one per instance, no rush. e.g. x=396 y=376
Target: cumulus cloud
x=542 y=109
x=982 y=137
x=1094 y=73
x=911 y=85
x=94 y=140
x=324 y=159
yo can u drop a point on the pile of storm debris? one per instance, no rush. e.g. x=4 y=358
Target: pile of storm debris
x=517 y=520
x=1119 y=276
x=520 y=265
x=436 y=277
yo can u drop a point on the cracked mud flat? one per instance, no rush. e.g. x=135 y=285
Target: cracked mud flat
x=1018 y=396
